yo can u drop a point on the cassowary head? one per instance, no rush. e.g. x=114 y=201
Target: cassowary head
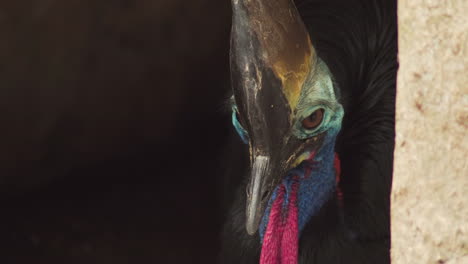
x=285 y=107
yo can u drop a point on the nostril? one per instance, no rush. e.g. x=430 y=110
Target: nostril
x=265 y=195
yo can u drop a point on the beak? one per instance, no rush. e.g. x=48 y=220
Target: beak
x=271 y=57
x=257 y=191
x=268 y=171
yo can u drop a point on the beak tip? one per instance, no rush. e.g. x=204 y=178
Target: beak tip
x=251 y=228
x=253 y=219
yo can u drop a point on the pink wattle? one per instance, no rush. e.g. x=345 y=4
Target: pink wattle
x=280 y=244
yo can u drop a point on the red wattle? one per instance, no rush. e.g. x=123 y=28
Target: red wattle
x=280 y=243
x=290 y=241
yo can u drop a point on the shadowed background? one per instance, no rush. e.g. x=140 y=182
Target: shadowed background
x=112 y=128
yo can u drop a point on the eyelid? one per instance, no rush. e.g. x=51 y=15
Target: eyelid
x=326 y=109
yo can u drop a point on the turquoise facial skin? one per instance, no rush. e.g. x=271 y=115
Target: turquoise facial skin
x=318 y=93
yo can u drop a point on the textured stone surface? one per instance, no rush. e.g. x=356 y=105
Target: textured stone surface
x=429 y=209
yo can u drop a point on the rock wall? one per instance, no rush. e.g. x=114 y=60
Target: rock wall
x=429 y=209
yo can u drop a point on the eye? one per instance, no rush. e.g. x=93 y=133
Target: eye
x=313 y=120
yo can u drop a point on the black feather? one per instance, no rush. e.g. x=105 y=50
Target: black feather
x=358 y=41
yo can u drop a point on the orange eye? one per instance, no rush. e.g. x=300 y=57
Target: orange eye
x=313 y=120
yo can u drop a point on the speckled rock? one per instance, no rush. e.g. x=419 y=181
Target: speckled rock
x=430 y=186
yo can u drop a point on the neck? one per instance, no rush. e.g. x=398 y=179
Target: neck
x=316 y=179
x=300 y=196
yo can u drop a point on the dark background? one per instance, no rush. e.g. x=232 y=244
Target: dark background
x=113 y=129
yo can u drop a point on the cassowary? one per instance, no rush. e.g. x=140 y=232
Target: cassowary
x=313 y=102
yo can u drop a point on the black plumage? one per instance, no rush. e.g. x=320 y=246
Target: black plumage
x=358 y=41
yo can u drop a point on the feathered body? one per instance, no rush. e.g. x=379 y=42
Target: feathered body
x=358 y=41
